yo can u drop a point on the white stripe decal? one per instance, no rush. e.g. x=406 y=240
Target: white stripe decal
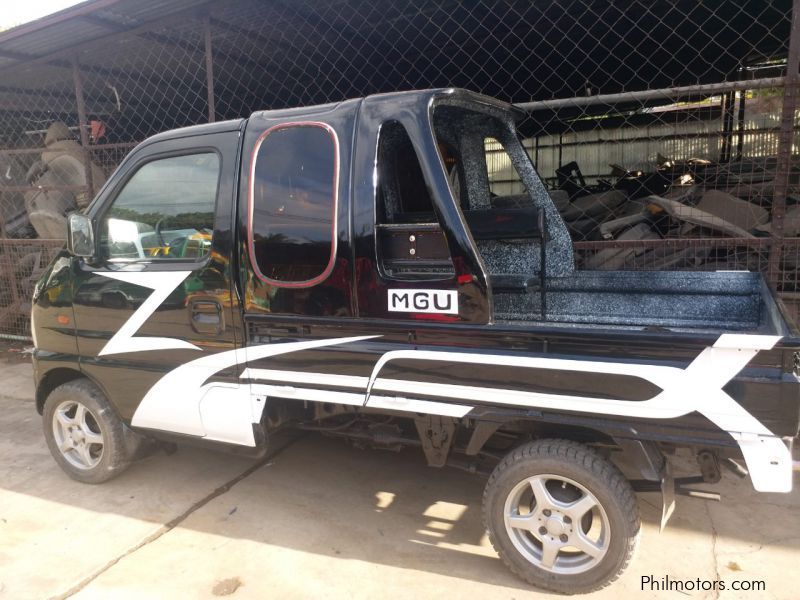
x=293 y=393
x=174 y=402
x=696 y=388
x=303 y=377
x=354 y=399
x=424 y=407
x=389 y=403
x=750 y=342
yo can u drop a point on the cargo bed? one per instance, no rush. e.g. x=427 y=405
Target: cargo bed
x=713 y=301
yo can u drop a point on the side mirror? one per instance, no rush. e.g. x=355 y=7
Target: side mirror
x=80 y=236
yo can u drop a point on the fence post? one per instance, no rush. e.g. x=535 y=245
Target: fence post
x=728 y=103
x=740 y=125
x=212 y=113
x=785 y=139
x=83 y=126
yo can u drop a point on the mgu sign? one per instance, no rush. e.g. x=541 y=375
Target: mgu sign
x=424 y=301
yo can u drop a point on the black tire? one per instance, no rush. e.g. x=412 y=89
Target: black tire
x=112 y=457
x=598 y=476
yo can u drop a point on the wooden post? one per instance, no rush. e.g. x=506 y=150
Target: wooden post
x=83 y=126
x=212 y=113
x=784 y=158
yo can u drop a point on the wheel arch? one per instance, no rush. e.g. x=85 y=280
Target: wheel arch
x=527 y=429
x=51 y=380
x=59 y=376
x=589 y=436
x=637 y=457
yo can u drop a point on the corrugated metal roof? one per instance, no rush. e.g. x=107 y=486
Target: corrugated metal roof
x=53 y=38
x=83 y=23
x=142 y=11
x=517 y=50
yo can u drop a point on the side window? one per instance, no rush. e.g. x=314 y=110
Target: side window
x=165 y=211
x=410 y=240
x=293 y=183
x=402 y=193
x=505 y=184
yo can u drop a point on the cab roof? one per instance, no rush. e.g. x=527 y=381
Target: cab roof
x=402 y=99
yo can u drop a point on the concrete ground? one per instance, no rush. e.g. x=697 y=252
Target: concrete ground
x=320 y=519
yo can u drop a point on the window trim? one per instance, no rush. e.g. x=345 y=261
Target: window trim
x=130 y=174
x=335 y=210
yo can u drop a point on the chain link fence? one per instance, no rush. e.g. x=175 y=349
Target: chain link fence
x=665 y=129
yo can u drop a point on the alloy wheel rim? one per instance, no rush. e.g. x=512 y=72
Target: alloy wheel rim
x=78 y=435
x=557 y=524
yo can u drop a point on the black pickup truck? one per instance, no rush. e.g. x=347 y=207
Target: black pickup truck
x=346 y=268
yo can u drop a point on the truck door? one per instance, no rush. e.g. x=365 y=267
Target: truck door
x=153 y=309
x=309 y=239
x=303 y=340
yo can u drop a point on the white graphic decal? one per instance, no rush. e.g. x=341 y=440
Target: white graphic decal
x=162 y=283
x=350 y=381
x=424 y=301
x=445 y=409
x=696 y=388
x=425 y=407
x=182 y=401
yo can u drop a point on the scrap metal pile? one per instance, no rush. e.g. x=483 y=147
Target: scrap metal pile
x=37 y=193
x=680 y=200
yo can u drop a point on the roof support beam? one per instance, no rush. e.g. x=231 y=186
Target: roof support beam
x=55 y=19
x=672 y=93
x=101 y=22
x=178 y=17
x=15 y=55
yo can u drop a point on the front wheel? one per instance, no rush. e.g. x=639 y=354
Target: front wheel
x=85 y=436
x=561 y=517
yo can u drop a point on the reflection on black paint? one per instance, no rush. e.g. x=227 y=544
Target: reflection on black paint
x=293 y=195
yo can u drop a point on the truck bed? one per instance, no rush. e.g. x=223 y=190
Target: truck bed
x=676 y=300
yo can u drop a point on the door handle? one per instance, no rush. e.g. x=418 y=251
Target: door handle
x=205 y=316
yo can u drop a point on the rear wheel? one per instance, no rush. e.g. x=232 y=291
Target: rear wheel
x=561 y=517
x=84 y=435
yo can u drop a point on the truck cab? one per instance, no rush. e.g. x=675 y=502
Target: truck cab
x=350 y=268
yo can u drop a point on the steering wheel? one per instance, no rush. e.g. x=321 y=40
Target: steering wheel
x=169 y=245
x=160 y=237
x=176 y=243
